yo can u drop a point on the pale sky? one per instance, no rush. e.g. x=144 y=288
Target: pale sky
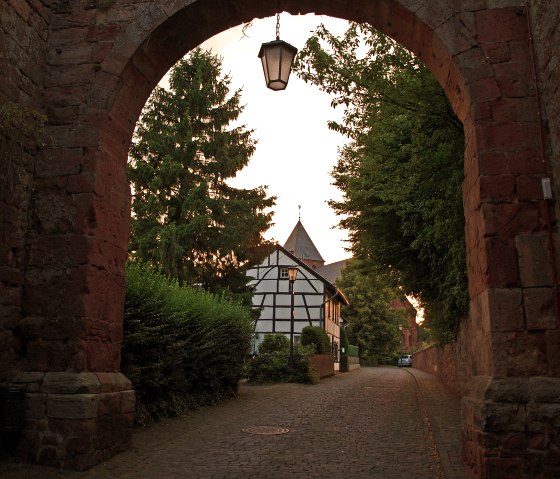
x=295 y=151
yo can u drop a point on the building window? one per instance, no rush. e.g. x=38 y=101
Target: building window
x=284 y=273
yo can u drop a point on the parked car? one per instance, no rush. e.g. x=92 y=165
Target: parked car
x=405 y=360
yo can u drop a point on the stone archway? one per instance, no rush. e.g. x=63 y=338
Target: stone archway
x=101 y=65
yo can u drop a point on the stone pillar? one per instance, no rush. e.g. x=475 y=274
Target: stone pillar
x=510 y=342
x=75 y=420
x=511 y=407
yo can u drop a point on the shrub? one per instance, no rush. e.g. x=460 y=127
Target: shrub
x=316 y=336
x=274 y=366
x=353 y=350
x=182 y=347
x=274 y=342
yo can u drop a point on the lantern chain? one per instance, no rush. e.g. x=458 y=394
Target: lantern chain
x=277 y=26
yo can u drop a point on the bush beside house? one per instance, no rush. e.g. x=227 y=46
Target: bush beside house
x=272 y=364
x=317 y=337
x=182 y=347
x=323 y=360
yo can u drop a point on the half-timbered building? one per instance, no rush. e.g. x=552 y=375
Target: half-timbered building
x=316 y=300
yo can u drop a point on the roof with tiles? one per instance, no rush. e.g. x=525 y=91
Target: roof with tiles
x=300 y=245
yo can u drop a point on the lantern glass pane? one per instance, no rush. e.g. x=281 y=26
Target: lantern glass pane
x=265 y=69
x=287 y=58
x=292 y=273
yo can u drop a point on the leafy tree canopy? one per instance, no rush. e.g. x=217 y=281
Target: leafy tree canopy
x=401 y=171
x=186 y=219
x=372 y=324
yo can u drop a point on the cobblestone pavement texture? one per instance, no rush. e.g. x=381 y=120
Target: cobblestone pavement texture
x=371 y=423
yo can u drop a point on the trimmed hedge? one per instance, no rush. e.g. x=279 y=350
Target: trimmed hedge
x=353 y=350
x=182 y=347
x=344 y=343
x=316 y=336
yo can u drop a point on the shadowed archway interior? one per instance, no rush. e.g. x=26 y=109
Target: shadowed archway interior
x=100 y=68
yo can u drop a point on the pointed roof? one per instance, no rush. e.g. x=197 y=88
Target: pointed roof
x=333 y=291
x=300 y=245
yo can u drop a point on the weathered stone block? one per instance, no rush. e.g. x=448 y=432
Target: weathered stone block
x=28 y=377
x=71 y=383
x=534 y=265
x=80 y=445
x=506 y=218
x=538 y=442
x=109 y=403
x=128 y=401
x=504 y=308
x=31 y=326
x=76 y=406
x=508 y=390
x=496 y=52
x=545 y=389
x=519 y=354
x=49 y=438
x=35 y=406
x=543 y=417
x=497 y=188
x=114 y=382
x=551 y=458
x=553 y=352
x=500 y=467
x=49 y=456
x=539 y=308
x=514 y=441
x=504 y=417
x=498 y=258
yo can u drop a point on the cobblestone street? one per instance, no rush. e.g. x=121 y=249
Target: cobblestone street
x=371 y=423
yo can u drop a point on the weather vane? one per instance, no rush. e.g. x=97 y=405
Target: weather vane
x=299 y=213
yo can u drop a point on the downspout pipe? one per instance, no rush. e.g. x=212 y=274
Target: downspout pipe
x=545 y=202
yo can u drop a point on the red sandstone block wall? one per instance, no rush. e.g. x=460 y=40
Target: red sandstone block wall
x=23 y=37
x=442 y=363
x=546 y=38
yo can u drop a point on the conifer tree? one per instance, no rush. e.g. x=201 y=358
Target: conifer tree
x=186 y=219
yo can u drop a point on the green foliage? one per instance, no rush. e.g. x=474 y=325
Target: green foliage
x=344 y=343
x=401 y=172
x=275 y=367
x=371 y=322
x=353 y=351
x=182 y=347
x=317 y=337
x=186 y=219
x=274 y=342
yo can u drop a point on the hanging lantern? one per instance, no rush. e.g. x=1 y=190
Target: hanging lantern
x=277 y=58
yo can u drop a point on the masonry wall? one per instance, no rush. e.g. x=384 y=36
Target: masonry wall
x=70 y=238
x=442 y=363
x=546 y=38
x=23 y=37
